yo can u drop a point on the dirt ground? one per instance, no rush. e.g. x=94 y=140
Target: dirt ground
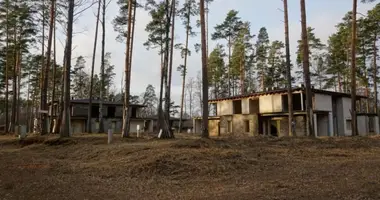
x=85 y=167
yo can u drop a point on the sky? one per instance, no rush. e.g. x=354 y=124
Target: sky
x=322 y=15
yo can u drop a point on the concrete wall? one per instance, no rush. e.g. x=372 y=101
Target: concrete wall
x=300 y=126
x=245 y=106
x=225 y=108
x=322 y=102
x=323 y=125
x=270 y=103
x=376 y=125
x=343 y=114
x=213 y=128
x=346 y=115
x=284 y=127
x=363 y=125
x=239 y=123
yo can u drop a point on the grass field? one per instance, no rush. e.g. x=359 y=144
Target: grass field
x=85 y=167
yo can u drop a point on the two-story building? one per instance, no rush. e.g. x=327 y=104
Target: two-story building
x=267 y=113
x=112 y=116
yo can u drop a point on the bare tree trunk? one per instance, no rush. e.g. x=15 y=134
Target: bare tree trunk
x=185 y=66
x=17 y=123
x=41 y=117
x=14 y=81
x=375 y=75
x=7 y=70
x=229 y=65
x=52 y=114
x=288 y=70
x=27 y=105
x=159 y=107
x=46 y=71
x=101 y=122
x=168 y=86
x=65 y=128
x=126 y=108
x=205 y=132
x=92 y=71
x=206 y=22
x=61 y=99
x=353 y=71
x=242 y=74
x=306 y=73
x=132 y=34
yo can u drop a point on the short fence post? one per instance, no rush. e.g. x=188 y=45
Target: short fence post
x=109 y=136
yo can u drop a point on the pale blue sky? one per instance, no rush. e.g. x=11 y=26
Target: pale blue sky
x=322 y=15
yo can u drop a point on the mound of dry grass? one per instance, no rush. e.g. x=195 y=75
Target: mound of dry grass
x=187 y=163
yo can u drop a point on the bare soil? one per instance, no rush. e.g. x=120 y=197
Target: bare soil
x=85 y=167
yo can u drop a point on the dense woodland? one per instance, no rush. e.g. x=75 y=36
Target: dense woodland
x=243 y=61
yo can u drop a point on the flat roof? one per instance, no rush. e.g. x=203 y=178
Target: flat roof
x=97 y=101
x=284 y=91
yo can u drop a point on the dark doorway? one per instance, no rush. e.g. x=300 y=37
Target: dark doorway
x=134 y=113
x=95 y=111
x=273 y=131
x=111 y=110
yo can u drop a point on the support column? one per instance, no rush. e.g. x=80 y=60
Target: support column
x=302 y=106
x=376 y=125
x=194 y=126
x=315 y=125
x=331 y=125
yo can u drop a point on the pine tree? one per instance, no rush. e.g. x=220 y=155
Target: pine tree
x=315 y=51
x=102 y=89
x=205 y=132
x=65 y=127
x=126 y=108
x=188 y=10
x=276 y=69
x=79 y=79
x=241 y=60
x=228 y=30
x=109 y=74
x=306 y=71
x=262 y=48
x=44 y=90
x=90 y=96
x=217 y=71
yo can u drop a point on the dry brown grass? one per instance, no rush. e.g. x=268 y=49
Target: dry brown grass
x=85 y=167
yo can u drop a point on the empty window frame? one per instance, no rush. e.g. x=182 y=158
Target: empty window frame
x=237 y=108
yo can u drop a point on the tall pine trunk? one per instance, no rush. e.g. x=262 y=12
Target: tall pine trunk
x=28 y=105
x=353 y=70
x=14 y=78
x=89 y=111
x=52 y=110
x=102 y=88
x=126 y=107
x=229 y=64
x=205 y=132
x=168 y=86
x=133 y=33
x=288 y=70
x=42 y=75
x=375 y=75
x=159 y=107
x=7 y=69
x=65 y=127
x=306 y=73
x=46 y=71
x=185 y=66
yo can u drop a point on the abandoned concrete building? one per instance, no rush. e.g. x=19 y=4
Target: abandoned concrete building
x=267 y=113
x=112 y=116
